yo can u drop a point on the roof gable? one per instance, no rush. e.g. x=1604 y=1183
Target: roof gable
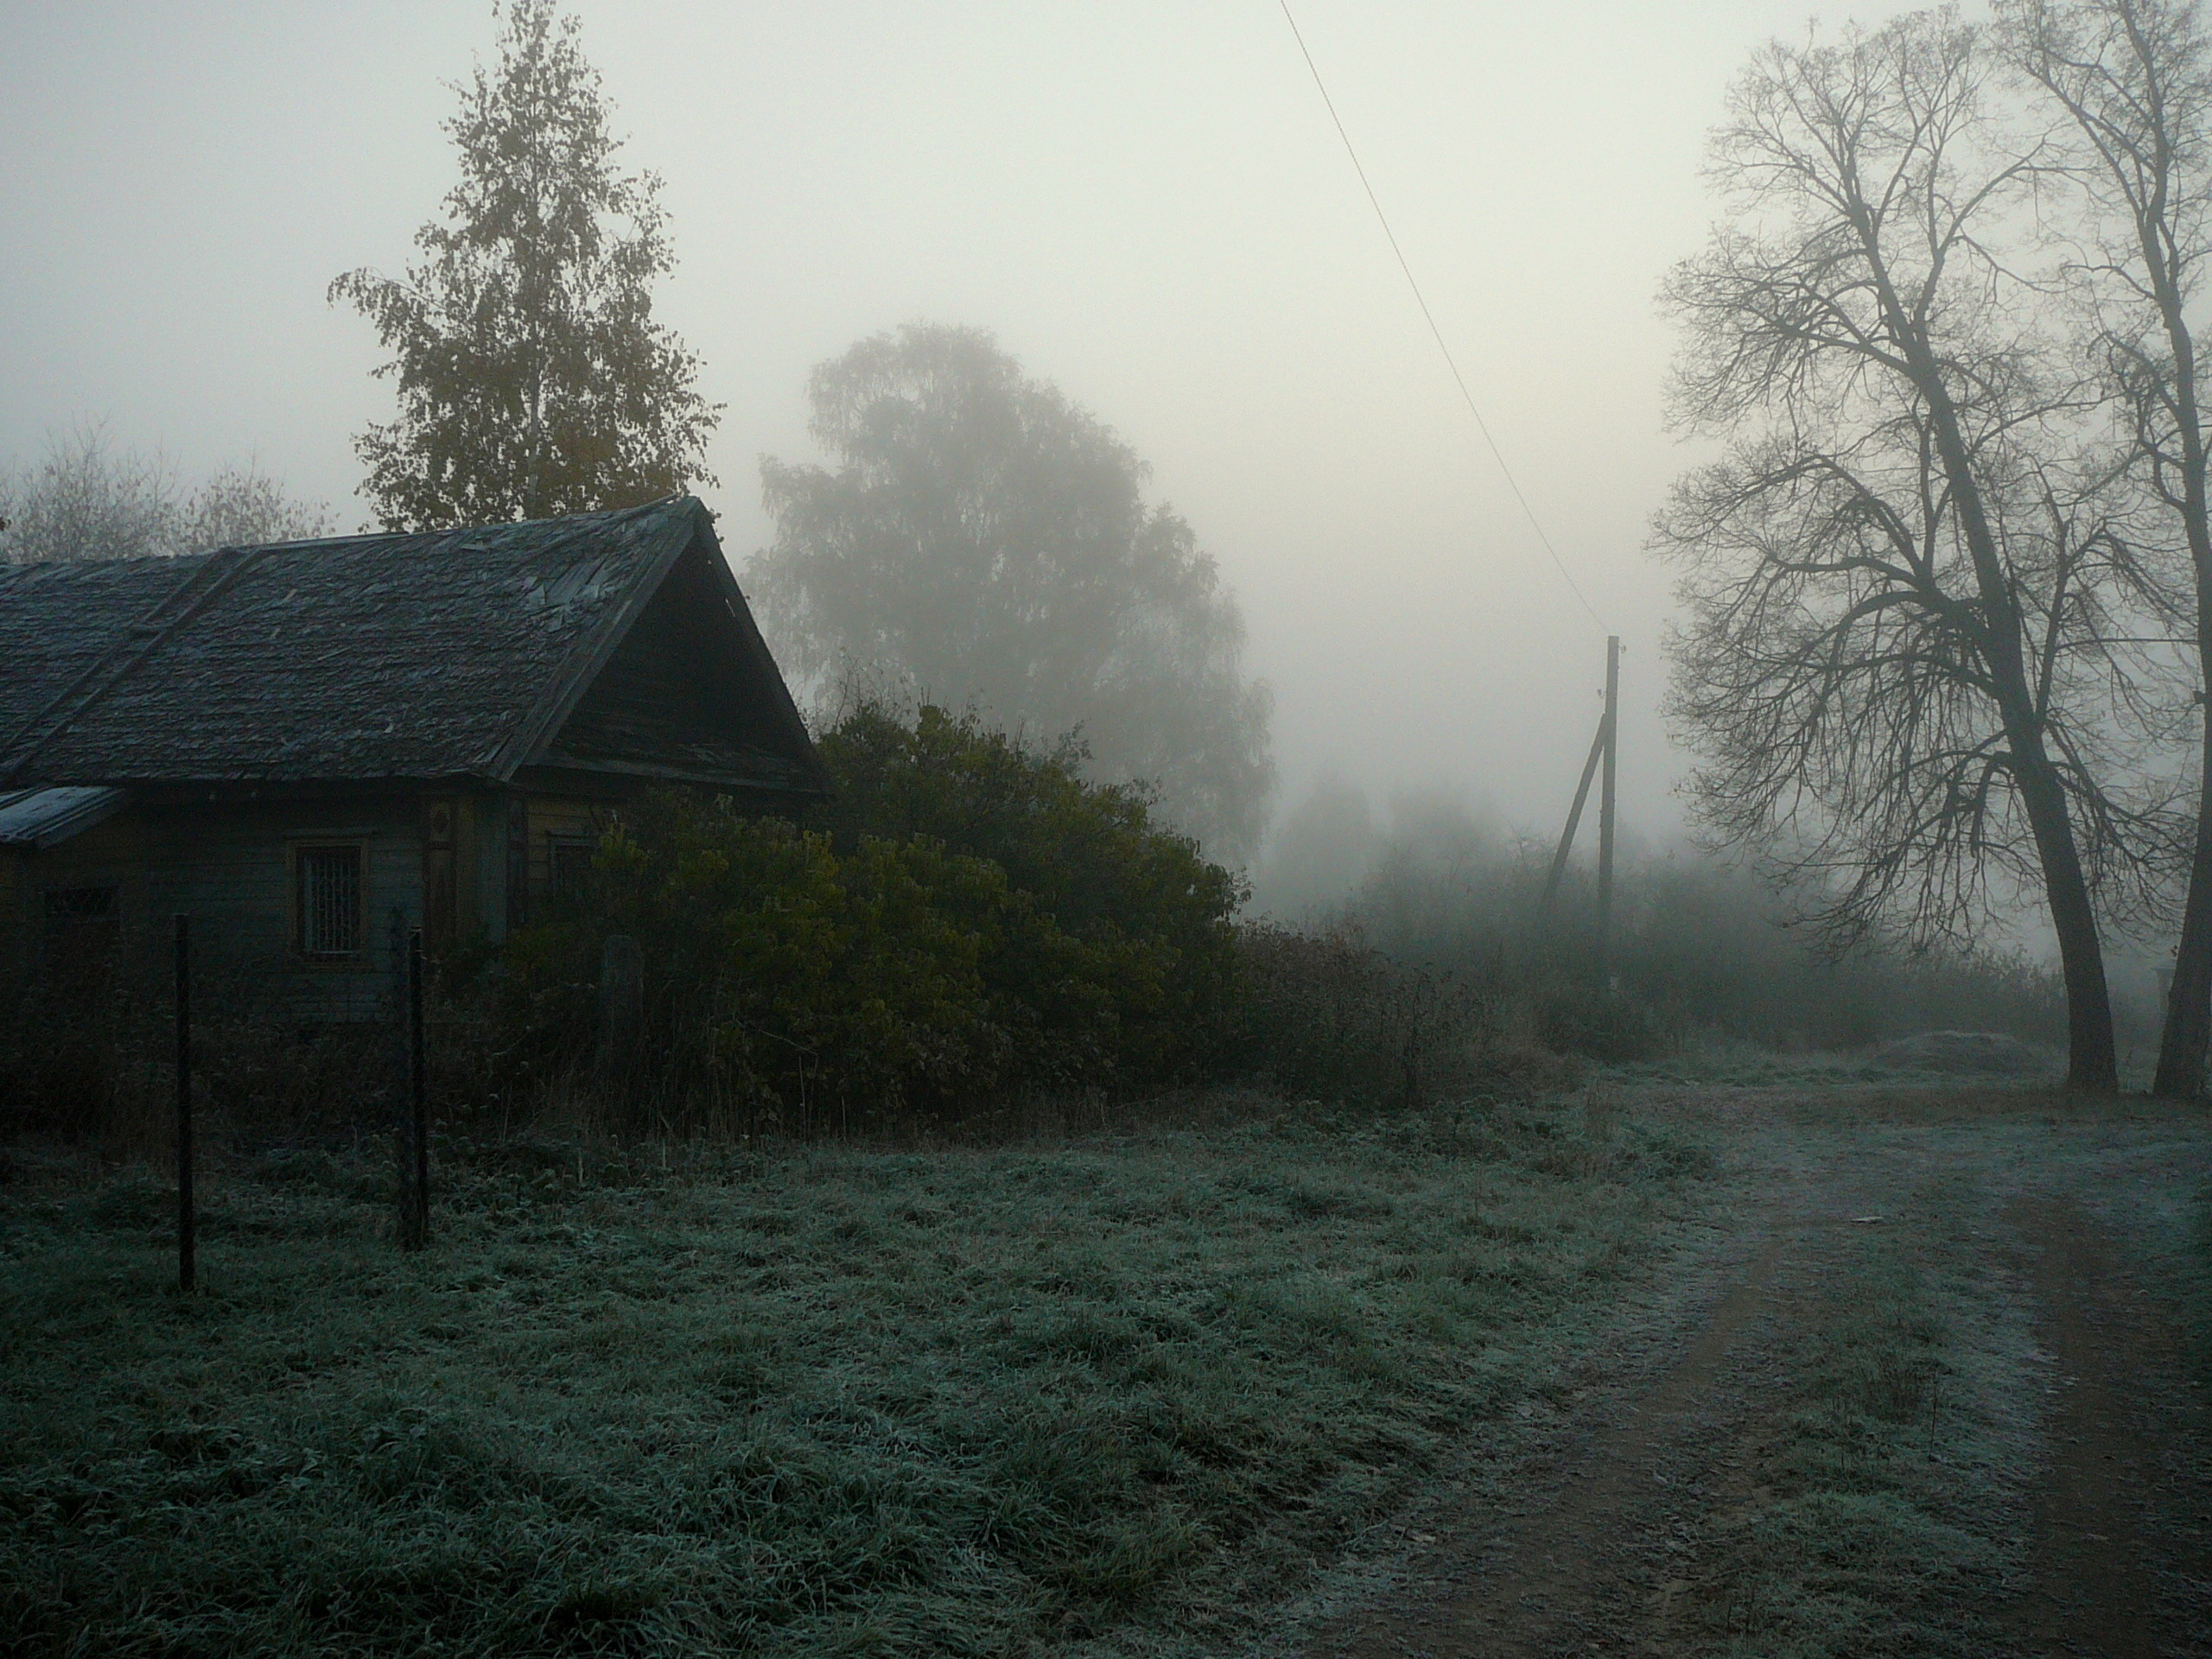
x=689 y=691
x=445 y=656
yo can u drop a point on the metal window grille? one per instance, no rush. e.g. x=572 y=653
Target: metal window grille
x=329 y=901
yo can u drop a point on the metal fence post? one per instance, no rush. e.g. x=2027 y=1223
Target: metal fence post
x=186 y=1220
x=418 y=1093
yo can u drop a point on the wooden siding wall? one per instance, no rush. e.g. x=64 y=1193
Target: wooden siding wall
x=676 y=691
x=229 y=868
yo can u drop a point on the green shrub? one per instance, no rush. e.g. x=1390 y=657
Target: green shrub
x=967 y=918
x=1090 y=856
x=787 y=982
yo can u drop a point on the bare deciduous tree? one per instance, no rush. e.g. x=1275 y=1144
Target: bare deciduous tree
x=2134 y=79
x=87 y=499
x=243 y=507
x=1892 y=600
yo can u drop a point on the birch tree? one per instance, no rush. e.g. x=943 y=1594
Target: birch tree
x=533 y=380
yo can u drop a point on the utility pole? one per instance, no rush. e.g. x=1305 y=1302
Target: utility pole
x=1605 y=751
x=1611 y=729
x=1573 y=818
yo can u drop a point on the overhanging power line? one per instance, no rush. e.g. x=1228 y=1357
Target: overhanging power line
x=1437 y=334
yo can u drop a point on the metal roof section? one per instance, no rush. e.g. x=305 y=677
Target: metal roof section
x=35 y=818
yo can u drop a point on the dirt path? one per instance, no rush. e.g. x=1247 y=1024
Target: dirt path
x=1560 y=1581
x=2101 y=1537
x=1632 y=1526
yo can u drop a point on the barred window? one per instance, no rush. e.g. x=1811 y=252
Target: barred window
x=567 y=865
x=327 y=902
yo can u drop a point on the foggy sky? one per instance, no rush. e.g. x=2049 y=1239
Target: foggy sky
x=1145 y=201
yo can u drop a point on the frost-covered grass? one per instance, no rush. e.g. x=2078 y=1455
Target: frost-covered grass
x=789 y=1400
x=1710 y=1060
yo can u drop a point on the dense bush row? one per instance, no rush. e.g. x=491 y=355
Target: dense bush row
x=966 y=926
x=965 y=919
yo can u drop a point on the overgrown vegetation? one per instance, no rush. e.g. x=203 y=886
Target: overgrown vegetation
x=1700 y=949
x=968 y=927
x=780 y=1400
x=967 y=919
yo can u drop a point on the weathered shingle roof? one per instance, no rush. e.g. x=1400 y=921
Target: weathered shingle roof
x=455 y=655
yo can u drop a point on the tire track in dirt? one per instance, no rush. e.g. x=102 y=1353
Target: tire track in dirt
x=2099 y=1538
x=1542 y=1591
x=1585 y=1552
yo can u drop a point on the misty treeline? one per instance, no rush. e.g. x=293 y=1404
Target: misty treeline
x=1702 y=947
x=1949 y=588
x=87 y=497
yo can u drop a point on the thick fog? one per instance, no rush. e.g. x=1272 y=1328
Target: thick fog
x=1146 y=202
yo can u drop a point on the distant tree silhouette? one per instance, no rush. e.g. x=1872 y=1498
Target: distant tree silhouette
x=985 y=540
x=87 y=499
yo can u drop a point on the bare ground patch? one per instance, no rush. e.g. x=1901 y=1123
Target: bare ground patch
x=1938 y=1409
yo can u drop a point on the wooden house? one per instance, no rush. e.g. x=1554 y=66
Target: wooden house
x=312 y=747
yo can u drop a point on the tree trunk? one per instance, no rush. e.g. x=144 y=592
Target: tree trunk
x=2091 y=1062
x=2189 y=999
x=2153 y=169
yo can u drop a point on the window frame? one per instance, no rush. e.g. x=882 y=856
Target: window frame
x=298 y=916
x=560 y=841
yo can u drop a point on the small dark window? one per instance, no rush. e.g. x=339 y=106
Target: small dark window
x=64 y=905
x=80 y=940
x=569 y=866
x=327 y=901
